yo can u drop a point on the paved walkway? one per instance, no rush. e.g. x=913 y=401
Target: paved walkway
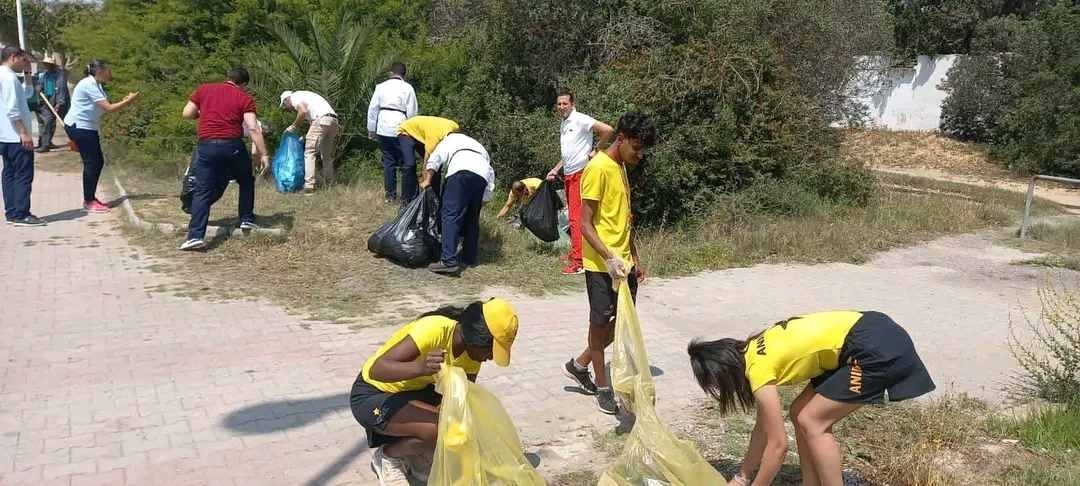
x=104 y=382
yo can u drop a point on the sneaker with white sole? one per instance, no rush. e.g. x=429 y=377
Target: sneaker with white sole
x=249 y=225
x=390 y=471
x=29 y=220
x=193 y=244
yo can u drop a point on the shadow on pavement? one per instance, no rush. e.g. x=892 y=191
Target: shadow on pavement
x=282 y=415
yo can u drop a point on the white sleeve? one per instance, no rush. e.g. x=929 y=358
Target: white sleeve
x=587 y=122
x=373 y=111
x=438 y=157
x=9 y=102
x=411 y=108
x=490 y=190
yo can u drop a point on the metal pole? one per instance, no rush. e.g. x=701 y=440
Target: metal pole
x=18 y=16
x=1027 y=209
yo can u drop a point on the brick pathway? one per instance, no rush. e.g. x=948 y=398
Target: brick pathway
x=104 y=382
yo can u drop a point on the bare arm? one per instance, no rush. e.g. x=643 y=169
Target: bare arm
x=554 y=172
x=768 y=441
x=400 y=363
x=510 y=200
x=603 y=133
x=191 y=111
x=588 y=228
x=252 y=124
x=301 y=113
x=113 y=107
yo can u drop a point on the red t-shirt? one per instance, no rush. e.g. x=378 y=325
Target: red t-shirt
x=221 y=110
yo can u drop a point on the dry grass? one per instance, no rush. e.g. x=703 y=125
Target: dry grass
x=920 y=150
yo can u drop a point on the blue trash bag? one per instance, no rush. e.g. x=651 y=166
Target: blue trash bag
x=288 y=165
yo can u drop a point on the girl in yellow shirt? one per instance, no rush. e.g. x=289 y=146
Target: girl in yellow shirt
x=849 y=358
x=394 y=395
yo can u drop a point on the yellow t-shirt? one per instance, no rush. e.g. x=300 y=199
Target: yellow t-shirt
x=531 y=185
x=799 y=349
x=430 y=333
x=428 y=130
x=605 y=182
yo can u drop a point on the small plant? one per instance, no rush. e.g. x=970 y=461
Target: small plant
x=1050 y=356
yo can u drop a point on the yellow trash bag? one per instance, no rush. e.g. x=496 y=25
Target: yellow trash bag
x=478 y=443
x=653 y=456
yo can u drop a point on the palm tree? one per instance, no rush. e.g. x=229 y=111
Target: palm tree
x=331 y=63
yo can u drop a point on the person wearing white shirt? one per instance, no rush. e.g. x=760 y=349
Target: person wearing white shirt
x=576 y=141
x=323 y=128
x=16 y=141
x=393 y=102
x=468 y=184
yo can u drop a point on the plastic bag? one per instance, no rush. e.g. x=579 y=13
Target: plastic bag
x=478 y=443
x=187 y=186
x=653 y=455
x=541 y=214
x=412 y=238
x=289 y=163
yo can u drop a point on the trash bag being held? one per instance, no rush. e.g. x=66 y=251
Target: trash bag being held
x=288 y=164
x=187 y=187
x=412 y=238
x=541 y=214
x=653 y=455
x=478 y=444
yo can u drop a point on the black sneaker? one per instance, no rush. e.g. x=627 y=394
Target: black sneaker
x=249 y=225
x=582 y=377
x=605 y=401
x=441 y=269
x=30 y=220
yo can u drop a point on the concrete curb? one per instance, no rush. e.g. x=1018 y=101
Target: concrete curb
x=169 y=228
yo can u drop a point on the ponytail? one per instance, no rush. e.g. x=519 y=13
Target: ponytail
x=94 y=67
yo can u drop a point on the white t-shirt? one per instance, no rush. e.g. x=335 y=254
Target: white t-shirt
x=576 y=141
x=393 y=102
x=463 y=152
x=317 y=105
x=12 y=105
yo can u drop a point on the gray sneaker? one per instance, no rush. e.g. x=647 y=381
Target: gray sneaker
x=391 y=472
x=193 y=244
x=29 y=220
x=249 y=225
x=581 y=377
x=605 y=401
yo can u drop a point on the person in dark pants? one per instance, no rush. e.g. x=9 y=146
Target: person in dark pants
x=16 y=142
x=223 y=110
x=393 y=101
x=88 y=104
x=468 y=184
x=418 y=136
x=52 y=83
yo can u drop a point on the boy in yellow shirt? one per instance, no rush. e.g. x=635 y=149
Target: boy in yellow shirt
x=520 y=193
x=609 y=253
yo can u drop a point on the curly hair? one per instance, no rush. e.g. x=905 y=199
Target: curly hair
x=637 y=126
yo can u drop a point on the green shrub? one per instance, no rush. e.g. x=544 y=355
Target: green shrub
x=1050 y=357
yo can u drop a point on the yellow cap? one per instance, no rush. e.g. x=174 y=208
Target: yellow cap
x=502 y=322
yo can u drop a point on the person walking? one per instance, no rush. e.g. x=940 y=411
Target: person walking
x=16 y=141
x=52 y=84
x=609 y=254
x=849 y=358
x=470 y=181
x=223 y=110
x=393 y=102
x=321 y=138
x=88 y=103
x=576 y=131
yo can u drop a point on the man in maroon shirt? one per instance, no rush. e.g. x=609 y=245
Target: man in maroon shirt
x=223 y=110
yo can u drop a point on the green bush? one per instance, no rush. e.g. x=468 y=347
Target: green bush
x=1048 y=350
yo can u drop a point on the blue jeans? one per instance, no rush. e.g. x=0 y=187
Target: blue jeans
x=89 y=144
x=18 y=177
x=397 y=153
x=215 y=164
x=462 y=198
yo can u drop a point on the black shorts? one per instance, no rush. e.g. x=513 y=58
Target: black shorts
x=878 y=364
x=373 y=407
x=603 y=299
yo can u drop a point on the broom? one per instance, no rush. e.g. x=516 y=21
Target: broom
x=71 y=143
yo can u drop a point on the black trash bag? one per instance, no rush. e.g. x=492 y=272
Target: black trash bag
x=541 y=214
x=187 y=189
x=412 y=238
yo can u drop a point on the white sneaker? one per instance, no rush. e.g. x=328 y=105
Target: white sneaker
x=193 y=244
x=391 y=472
x=420 y=466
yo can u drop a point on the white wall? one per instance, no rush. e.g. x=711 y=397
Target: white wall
x=905 y=98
